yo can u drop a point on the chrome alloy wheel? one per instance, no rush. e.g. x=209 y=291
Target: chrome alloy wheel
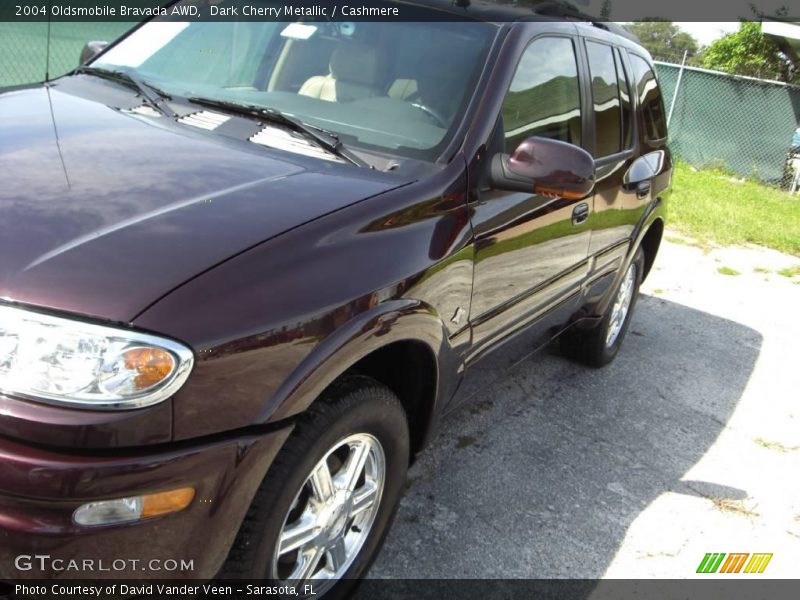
x=332 y=515
x=622 y=304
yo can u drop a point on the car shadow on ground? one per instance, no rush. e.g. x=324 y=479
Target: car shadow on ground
x=540 y=472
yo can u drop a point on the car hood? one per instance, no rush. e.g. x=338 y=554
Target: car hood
x=103 y=210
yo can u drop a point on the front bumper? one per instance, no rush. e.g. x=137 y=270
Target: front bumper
x=40 y=489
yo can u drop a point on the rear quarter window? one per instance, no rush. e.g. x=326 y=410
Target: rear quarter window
x=649 y=93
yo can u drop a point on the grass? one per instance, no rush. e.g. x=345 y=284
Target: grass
x=736 y=507
x=777 y=446
x=708 y=207
x=680 y=240
x=790 y=271
x=728 y=271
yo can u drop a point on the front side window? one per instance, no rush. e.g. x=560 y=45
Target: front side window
x=390 y=86
x=605 y=96
x=650 y=100
x=544 y=98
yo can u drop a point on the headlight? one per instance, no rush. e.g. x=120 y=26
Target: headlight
x=66 y=362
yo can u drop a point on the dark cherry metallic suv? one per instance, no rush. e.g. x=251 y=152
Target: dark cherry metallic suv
x=245 y=267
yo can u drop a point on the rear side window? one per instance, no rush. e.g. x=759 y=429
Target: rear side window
x=655 y=126
x=544 y=97
x=625 y=101
x=605 y=95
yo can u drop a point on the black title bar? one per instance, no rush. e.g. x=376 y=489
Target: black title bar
x=389 y=10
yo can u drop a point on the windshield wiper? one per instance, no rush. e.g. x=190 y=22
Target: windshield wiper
x=324 y=138
x=151 y=93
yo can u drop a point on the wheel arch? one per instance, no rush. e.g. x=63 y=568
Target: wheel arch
x=650 y=243
x=408 y=368
x=402 y=344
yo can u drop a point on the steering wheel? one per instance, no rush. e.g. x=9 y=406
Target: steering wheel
x=432 y=114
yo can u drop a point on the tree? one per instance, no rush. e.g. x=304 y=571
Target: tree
x=748 y=52
x=605 y=11
x=664 y=39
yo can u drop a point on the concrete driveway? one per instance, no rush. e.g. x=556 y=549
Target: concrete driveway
x=688 y=443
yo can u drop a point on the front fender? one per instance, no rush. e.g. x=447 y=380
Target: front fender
x=276 y=324
x=390 y=322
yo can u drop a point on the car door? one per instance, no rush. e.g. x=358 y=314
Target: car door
x=530 y=250
x=618 y=208
x=616 y=211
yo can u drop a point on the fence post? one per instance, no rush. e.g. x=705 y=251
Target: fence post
x=677 y=87
x=47 y=52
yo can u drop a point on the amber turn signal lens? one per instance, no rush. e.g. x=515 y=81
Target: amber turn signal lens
x=132 y=509
x=153 y=366
x=166 y=502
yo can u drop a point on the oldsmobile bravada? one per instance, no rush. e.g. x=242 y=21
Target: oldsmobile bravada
x=245 y=268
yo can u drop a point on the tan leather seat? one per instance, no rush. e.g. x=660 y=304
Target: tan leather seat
x=356 y=71
x=403 y=89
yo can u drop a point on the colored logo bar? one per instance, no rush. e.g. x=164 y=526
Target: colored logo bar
x=713 y=562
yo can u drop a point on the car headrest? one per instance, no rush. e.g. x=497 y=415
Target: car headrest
x=355 y=62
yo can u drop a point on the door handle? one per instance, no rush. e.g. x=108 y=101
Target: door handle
x=643 y=190
x=580 y=213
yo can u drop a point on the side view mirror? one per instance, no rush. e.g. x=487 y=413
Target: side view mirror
x=90 y=50
x=544 y=166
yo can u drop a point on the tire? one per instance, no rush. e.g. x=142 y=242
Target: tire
x=592 y=346
x=356 y=415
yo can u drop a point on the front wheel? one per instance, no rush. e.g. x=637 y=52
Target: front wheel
x=326 y=504
x=599 y=346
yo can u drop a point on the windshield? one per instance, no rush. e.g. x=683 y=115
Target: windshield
x=396 y=87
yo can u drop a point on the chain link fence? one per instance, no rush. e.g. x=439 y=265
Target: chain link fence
x=27 y=57
x=742 y=125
